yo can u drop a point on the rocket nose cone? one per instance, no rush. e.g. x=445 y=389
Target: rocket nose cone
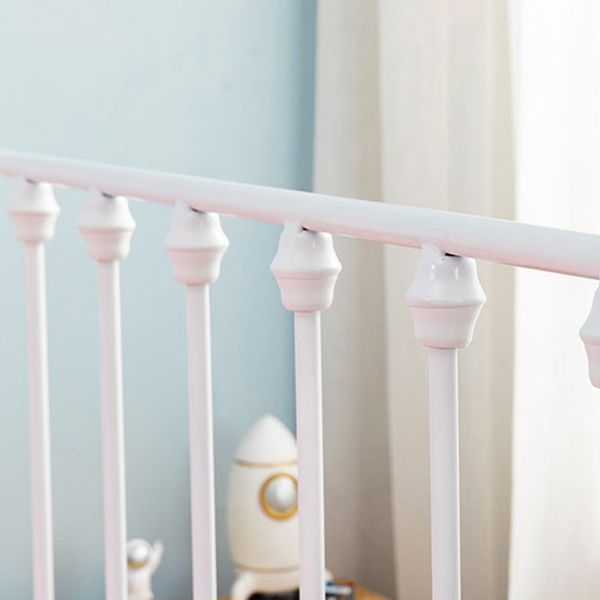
x=268 y=441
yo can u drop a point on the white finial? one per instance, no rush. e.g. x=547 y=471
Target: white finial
x=142 y=562
x=590 y=335
x=306 y=268
x=196 y=244
x=34 y=211
x=445 y=299
x=107 y=226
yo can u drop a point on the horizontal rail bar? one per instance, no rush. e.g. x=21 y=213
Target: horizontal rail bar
x=496 y=240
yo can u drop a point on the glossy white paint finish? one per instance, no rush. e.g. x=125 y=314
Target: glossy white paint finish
x=113 y=443
x=306 y=268
x=495 y=240
x=39 y=424
x=590 y=335
x=34 y=211
x=309 y=431
x=201 y=443
x=445 y=299
x=196 y=244
x=107 y=227
x=444 y=474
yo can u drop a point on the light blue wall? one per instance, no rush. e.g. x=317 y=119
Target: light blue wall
x=222 y=89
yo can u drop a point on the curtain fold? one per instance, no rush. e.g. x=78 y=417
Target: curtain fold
x=555 y=548
x=415 y=102
x=347 y=162
x=413 y=106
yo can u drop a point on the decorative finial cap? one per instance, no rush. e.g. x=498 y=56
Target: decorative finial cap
x=445 y=299
x=107 y=226
x=590 y=335
x=196 y=244
x=34 y=211
x=306 y=268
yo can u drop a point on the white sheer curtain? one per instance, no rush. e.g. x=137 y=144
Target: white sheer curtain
x=555 y=549
x=415 y=105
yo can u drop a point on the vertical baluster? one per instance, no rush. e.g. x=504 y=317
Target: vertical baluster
x=590 y=335
x=107 y=226
x=196 y=244
x=445 y=300
x=34 y=212
x=309 y=425
x=306 y=268
x=444 y=473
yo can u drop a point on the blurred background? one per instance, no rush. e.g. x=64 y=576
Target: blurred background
x=483 y=106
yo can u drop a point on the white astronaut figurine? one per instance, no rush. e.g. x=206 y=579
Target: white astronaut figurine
x=262 y=511
x=142 y=562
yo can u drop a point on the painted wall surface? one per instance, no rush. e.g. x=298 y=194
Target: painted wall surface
x=222 y=89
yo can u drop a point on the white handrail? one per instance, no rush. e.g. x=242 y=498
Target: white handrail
x=306 y=269
x=496 y=240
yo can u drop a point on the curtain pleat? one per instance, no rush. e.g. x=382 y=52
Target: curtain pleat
x=413 y=106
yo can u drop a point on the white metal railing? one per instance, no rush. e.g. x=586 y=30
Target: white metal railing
x=445 y=299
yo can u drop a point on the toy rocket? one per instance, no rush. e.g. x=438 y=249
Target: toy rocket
x=262 y=511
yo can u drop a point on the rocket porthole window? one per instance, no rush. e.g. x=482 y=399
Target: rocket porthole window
x=279 y=496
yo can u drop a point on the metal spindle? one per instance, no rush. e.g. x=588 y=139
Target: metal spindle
x=306 y=268
x=113 y=445
x=444 y=469
x=590 y=335
x=445 y=300
x=107 y=226
x=309 y=425
x=196 y=244
x=34 y=212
